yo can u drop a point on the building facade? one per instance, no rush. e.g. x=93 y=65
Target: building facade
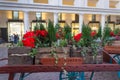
x=19 y=16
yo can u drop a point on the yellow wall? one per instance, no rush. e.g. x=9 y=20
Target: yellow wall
x=67 y=2
x=41 y=1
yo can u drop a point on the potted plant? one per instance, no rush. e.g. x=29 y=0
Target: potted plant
x=88 y=44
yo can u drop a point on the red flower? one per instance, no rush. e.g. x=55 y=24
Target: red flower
x=93 y=33
x=42 y=33
x=77 y=37
x=29 y=42
x=112 y=33
x=57 y=36
x=29 y=34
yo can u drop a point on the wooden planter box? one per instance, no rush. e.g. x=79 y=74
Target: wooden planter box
x=19 y=55
x=112 y=49
x=45 y=53
x=93 y=60
x=89 y=59
x=62 y=61
x=116 y=43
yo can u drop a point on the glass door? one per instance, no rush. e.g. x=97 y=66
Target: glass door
x=15 y=28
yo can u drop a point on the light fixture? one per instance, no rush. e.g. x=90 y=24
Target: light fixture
x=38 y=21
x=93 y=24
x=110 y=23
x=117 y=22
x=75 y=25
x=61 y=21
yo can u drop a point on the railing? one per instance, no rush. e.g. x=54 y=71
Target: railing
x=51 y=68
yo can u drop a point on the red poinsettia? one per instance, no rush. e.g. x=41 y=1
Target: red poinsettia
x=93 y=33
x=29 y=34
x=42 y=33
x=112 y=33
x=77 y=37
x=28 y=39
x=29 y=42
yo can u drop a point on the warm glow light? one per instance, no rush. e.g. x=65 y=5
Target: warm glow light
x=20 y=15
x=75 y=28
x=62 y=25
x=44 y=16
x=41 y=1
x=67 y=2
x=63 y=16
x=73 y=17
x=94 y=28
x=9 y=14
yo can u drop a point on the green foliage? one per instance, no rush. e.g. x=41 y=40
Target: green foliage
x=116 y=31
x=33 y=52
x=57 y=27
x=99 y=34
x=42 y=26
x=41 y=43
x=36 y=27
x=39 y=26
x=51 y=32
x=20 y=44
x=86 y=35
x=106 y=35
x=63 y=43
x=67 y=32
x=95 y=47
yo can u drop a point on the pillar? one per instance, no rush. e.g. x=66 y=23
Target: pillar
x=55 y=18
x=102 y=22
x=26 y=21
x=80 y=22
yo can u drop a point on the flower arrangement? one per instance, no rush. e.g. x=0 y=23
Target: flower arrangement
x=89 y=42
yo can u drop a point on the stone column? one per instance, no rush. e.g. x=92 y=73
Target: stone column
x=80 y=22
x=102 y=22
x=55 y=18
x=26 y=21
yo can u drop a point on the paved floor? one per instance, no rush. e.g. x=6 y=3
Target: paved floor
x=53 y=75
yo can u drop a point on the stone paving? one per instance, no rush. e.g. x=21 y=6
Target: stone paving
x=52 y=75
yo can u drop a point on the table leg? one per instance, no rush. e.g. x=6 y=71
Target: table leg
x=11 y=76
x=22 y=76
